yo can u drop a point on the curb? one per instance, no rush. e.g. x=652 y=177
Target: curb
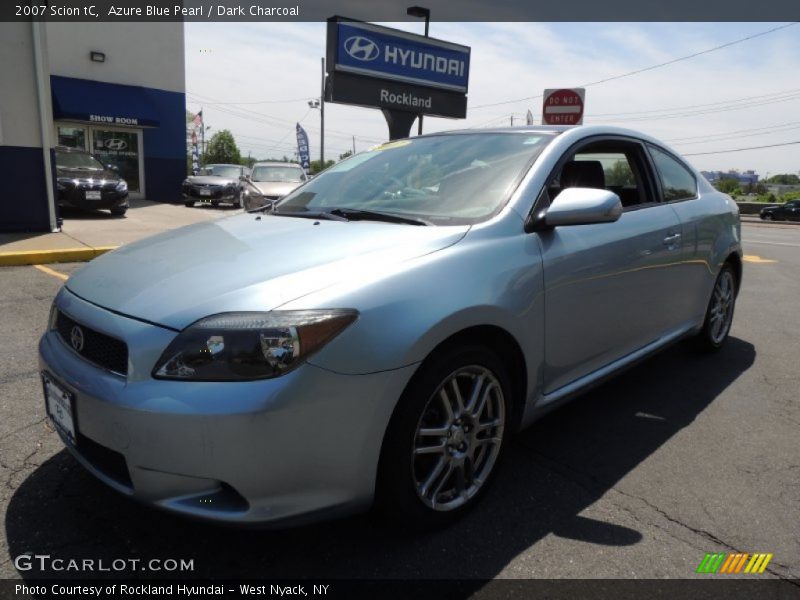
x=43 y=257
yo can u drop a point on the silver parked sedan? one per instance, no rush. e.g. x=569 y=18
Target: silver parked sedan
x=382 y=331
x=271 y=181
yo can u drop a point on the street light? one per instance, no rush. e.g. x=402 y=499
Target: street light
x=422 y=13
x=320 y=104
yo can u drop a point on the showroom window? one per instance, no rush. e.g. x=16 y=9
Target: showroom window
x=119 y=149
x=72 y=137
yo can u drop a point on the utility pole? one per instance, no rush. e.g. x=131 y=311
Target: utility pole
x=420 y=11
x=512 y=120
x=354 y=144
x=322 y=120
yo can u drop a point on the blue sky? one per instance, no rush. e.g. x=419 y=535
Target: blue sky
x=277 y=67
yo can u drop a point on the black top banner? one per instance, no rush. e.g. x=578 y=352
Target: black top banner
x=393 y=11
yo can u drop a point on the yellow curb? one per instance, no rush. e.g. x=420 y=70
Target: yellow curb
x=40 y=257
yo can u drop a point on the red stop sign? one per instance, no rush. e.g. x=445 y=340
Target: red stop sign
x=563 y=107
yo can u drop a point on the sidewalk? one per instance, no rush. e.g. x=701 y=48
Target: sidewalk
x=86 y=235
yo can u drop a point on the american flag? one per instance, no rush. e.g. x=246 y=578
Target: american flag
x=198 y=119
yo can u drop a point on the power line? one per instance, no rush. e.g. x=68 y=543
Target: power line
x=694 y=106
x=696 y=137
x=696 y=113
x=244 y=113
x=651 y=67
x=742 y=149
x=722 y=138
x=304 y=99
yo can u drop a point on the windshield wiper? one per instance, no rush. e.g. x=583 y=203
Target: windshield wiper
x=356 y=214
x=330 y=216
x=268 y=206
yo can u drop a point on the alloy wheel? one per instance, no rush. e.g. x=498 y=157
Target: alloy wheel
x=721 y=312
x=458 y=438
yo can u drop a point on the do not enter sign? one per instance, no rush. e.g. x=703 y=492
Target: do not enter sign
x=563 y=107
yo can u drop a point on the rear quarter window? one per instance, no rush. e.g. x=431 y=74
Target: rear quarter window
x=677 y=182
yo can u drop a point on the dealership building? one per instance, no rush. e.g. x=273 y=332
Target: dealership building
x=114 y=89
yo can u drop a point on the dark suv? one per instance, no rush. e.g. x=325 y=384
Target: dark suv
x=84 y=182
x=789 y=211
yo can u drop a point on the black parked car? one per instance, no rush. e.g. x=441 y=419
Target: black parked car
x=789 y=211
x=84 y=182
x=215 y=184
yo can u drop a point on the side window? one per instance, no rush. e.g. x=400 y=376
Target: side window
x=677 y=181
x=614 y=166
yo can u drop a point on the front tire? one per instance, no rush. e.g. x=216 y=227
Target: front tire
x=719 y=314
x=119 y=212
x=189 y=203
x=445 y=438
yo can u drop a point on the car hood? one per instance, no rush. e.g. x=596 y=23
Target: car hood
x=83 y=175
x=211 y=180
x=246 y=263
x=274 y=188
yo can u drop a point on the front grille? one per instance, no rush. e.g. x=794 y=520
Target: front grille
x=98 y=348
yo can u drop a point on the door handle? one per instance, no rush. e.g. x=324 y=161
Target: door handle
x=672 y=239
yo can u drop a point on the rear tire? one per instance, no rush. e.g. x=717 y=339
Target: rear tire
x=719 y=314
x=445 y=438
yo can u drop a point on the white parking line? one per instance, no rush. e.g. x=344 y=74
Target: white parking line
x=768 y=243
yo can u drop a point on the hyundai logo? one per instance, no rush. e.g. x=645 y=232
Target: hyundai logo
x=361 y=48
x=76 y=338
x=115 y=144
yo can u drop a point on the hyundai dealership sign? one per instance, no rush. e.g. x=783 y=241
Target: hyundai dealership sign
x=399 y=56
x=378 y=67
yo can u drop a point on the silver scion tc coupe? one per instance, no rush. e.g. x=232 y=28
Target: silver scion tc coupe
x=381 y=332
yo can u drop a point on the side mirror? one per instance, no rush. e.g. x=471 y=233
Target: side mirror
x=114 y=168
x=583 y=206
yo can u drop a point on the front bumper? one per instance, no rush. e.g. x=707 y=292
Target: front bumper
x=218 y=194
x=76 y=198
x=296 y=448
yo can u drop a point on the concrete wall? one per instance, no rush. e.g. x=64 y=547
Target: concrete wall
x=145 y=54
x=23 y=203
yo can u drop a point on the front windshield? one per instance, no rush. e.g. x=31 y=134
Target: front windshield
x=443 y=179
x=282 y=174
x=77 y=160
x=224 y=171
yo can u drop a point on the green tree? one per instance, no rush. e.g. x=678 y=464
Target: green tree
x=620 y=174
x=314 y=166
x=222 y=149
x=784 y=179
x=728 y=186
x=345 y=155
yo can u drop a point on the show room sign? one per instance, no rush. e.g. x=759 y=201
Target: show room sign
x=374 y=66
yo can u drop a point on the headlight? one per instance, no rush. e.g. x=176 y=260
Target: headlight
x=122 y=185
x=53 y=318
x=245 y=346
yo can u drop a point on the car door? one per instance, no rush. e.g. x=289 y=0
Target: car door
x=699 y=227
x=608 y=286
x=793 y=210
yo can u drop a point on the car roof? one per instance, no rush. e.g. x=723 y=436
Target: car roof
x=222 y=165
x=573 y=130
x=276 y=163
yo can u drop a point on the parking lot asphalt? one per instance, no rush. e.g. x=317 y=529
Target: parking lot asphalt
x=682 y=455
